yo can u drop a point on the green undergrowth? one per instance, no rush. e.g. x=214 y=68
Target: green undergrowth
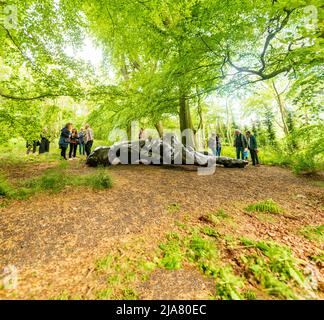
x=318 y=258
x=241 y=268
x=173 y=208
x=274 y=267
x=267 y=206
x=64 y=296
x=199 y=248
x=121 y=273
x=52 y=181
x=216 y=217
x=315 y=233
x=271 y=267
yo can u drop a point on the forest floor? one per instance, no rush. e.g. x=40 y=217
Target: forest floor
x=85 y=244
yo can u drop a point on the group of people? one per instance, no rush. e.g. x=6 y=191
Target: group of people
x=243 y=144
x=43 y=143
x=70 y=137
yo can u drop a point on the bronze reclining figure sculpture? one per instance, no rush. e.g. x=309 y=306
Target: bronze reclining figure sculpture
x=157 y=152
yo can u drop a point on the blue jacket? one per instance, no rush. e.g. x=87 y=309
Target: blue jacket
x=64 y=138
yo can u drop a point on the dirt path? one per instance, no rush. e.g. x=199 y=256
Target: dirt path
x=54 y=240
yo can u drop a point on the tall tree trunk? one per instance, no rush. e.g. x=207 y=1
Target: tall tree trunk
x=129 y=132
x=201 y=125
x=186 y=126
x=282 y=109
x=228 y=125
x=125 y=73
x=159 y=128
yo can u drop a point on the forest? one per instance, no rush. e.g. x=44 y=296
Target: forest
x=207 y=66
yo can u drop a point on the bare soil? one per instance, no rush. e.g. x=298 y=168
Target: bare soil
x=54 y=240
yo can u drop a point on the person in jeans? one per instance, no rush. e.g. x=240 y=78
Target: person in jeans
x=88 y=139
x=240 y=143
x=218 y=146
x=65 y=139
x=74 y=139
x=81 y=142
x=253 y=147
x=212 y=144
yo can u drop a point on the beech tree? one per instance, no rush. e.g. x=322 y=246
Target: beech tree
x=166 y=55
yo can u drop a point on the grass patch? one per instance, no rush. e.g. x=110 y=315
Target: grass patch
x=228 y=285
x=210 y=232
x=5 y=189
x=268 y=206
x=98 y=181
x=172 y=253
x=53 y=181
x=215 y=217
x=249 y=295
x=129 y=294
x=173 y=208
x=202 y=251
x=318 y=258
x=122 y=272
x=315 y=233
x=221 y=214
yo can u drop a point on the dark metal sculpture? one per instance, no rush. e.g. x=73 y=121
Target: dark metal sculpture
x=157 y=152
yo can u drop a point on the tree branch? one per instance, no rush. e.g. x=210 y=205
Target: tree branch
x=53 y=95
x=267 y=44
x=22 y=52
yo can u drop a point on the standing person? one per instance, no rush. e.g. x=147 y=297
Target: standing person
x=65 y=139
x=31 y=146
x=88 y=139
x=253 y=147
x=81 y=142
x=212 y=144
x=74 y=139
x=240 y=143
x=218 y=146
x=45 y=142
x=142 y=135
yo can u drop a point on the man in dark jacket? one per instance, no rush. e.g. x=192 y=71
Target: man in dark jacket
x=65 y=139
x=253 y=147
x=240 y=143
